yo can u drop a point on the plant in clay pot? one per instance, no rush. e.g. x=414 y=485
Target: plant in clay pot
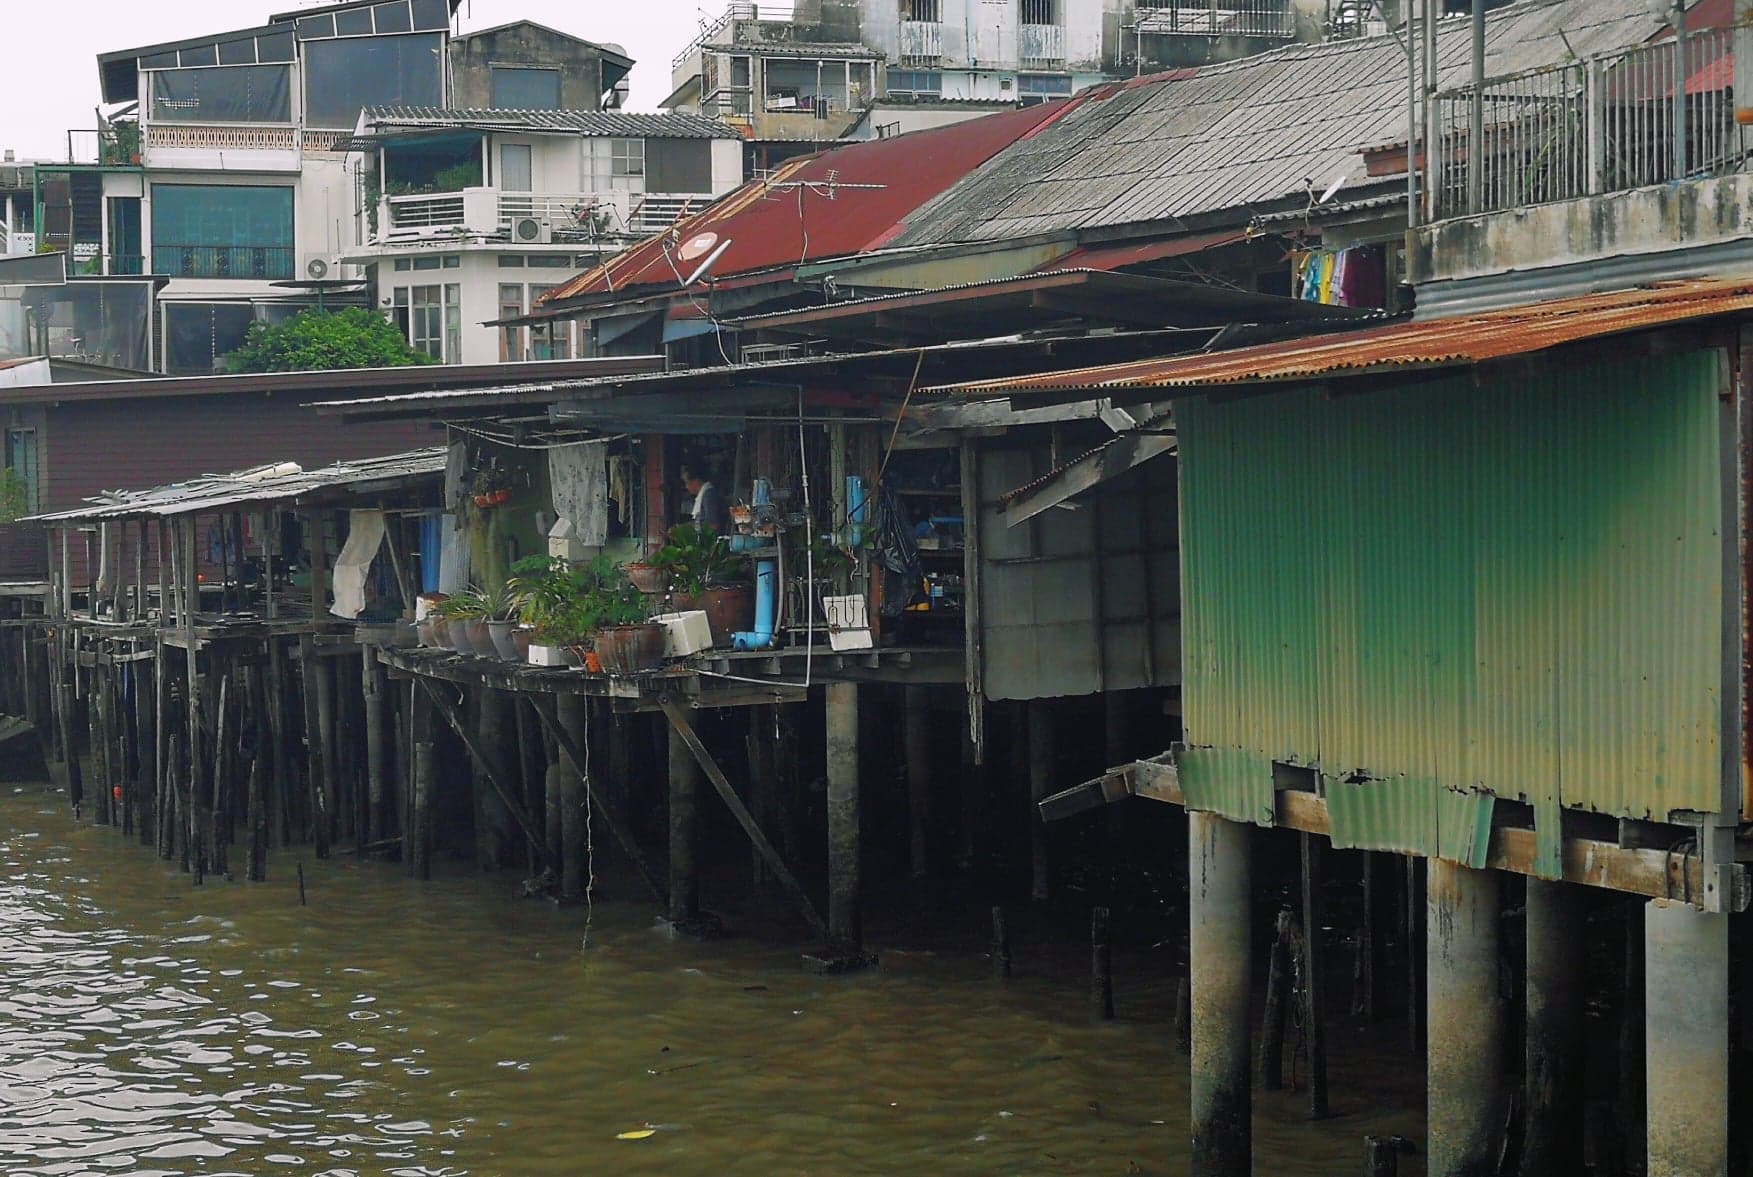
x=465 y=614
x=499 y=609
x=703 y=575
x=491 y=486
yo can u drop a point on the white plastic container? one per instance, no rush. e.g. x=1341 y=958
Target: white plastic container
x=684 y=633
x=550 y=655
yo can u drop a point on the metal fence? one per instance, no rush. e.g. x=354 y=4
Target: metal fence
x=1642 y=116
x=1212 y=18
x=222 y=261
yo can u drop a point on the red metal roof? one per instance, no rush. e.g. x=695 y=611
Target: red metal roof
x=1119 y=255
x=809 y=210
x=1433 y=343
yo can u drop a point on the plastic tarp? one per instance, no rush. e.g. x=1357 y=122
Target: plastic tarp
x=223 y=94
x=364 y=538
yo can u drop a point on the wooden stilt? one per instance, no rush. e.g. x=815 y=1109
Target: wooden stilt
x=684 y=888
x=569 y=754
x=916 y=740
x=1042 y=774
x=1314 y=979
x=573 y=718
x=417 y=838
x=1278 y=997
x=372 y=689
x=315 y=752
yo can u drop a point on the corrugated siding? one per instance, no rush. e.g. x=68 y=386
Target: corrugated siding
x=1080 y=601
x=1510 y=588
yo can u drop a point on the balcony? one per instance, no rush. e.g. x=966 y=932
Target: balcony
x=490 y=213
x=1040 y=47
x=921 y=43
x=1640 y=117
x=1265 y=19
x=267 y=262
x=21 y=242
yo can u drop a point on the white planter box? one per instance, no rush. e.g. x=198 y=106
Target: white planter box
x=549 y=655
x=684 y=633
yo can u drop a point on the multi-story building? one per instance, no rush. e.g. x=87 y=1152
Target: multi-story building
x=230 y=175
x=470 y=215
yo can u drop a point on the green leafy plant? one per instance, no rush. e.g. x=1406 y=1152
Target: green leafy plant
x=490 y=479
x=458 y=177
x=696 y=558
x=806 y=550
x=314 y=341
x=565 y=605
x=498 y=603
x=468 y=605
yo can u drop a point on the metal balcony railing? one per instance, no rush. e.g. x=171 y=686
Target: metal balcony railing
x=1647 y=115
x=1040 y=47
x=438 y=210
x=1212 y=18
x=222 y=261
x=653 y=212
x=921 y=43
x=711 y=32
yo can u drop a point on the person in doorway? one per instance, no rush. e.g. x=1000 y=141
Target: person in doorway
x=709 y=508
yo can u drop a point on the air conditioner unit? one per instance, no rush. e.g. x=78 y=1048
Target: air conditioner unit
x=321 y=267
x=531 y=231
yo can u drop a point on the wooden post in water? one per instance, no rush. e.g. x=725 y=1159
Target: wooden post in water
x=100 y=738
x=572 y=714
x=145 y=676
x=1101 y=968
x=1278 y=996
x=1042 y=771
x=258 y=802
x=1555 y=1046
x=763 y=784
x=196 y=687
x=845 y=922
x=1363 y=973
x=313 y=742
x=916 y=741
x=323 y=671
x=1000 y=945
x=220 y=801
x=1314 y=979
x=371 y=686
x=1631 y=1112
x=684 y=885
x=417 y=838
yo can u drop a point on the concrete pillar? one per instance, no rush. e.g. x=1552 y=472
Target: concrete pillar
x=684 y=832
x=844 y=923
x=1686 y=1039
x=1464 y=1030
x=1553 y=1143
x=1219 y=951
x=916 y=739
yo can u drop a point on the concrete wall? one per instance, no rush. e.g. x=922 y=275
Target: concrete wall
x=472 y=60
x=1646 y=221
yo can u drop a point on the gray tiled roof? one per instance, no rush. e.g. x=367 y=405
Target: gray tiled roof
x=583 y=122
x=1244 y=134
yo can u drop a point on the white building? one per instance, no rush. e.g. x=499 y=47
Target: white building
x=476 y=212
x=226 y=170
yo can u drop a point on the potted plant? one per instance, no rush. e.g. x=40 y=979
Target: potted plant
x=491 y=486
x=702 y=572
x=553 y=605
x=627 y=640
x=501 y=616
x=466 y=616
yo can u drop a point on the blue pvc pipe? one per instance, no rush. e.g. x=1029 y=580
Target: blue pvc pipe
x=766 y=608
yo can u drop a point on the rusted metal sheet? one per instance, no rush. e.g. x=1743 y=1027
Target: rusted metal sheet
x=1434 y=343
x=1231 y=782
x=1509 y=589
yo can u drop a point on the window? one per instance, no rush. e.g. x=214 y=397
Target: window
x=926 y=10
x=510 y=338
x=511 y=261
x=389 y=16
x=341 y=77
x=551 y=341
x=627 y=157
x=521 y=88
x=199 y=335
x=1040 y=12
x=1034 y=88
x=515 y=171
x=432 y=319
x=427 y=324
x=21 y=458
x=916 y=83
x=224 y=94
x=222 y=231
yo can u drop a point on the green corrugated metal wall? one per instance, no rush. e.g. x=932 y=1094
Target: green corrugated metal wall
x=1507 y=588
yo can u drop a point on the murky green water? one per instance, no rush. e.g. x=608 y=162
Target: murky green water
x=450 y=1027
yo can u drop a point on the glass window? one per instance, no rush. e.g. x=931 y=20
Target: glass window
x=393 y=17
x=427 y=330
x=21 y=457
x=510 y=338
x=404 y=263
x=431 y=14
x=520 y=88
x=274 y=47
x=551 y=341
x=221 y=231
x=201 y=55
x=425 y=263
x=452 y=261
x=199 y=335
x=239 y=52
x=160 y=60
x=627 y=157
x=551 y=262
x=920 y=82
x=316 y=26
x=453 y=324
x=399 y=316
x=511 y=261
x=515 y=169
x=353 y=22
x=343 y=77
x=225 y=94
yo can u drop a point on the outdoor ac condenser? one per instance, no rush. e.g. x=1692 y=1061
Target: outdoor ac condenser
x=531 y=231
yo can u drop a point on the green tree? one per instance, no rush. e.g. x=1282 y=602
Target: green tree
x=314 y=341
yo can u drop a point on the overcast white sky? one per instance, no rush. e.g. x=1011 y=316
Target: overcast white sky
x=48 y=52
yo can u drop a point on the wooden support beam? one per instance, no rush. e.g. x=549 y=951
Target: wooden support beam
x=679 y=722
x=488 y=765
x=622 y=832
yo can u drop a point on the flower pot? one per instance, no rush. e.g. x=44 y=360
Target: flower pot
x=441 y=630
x=645 y=578
x=498 y=498
x=427 y=632
x=729 y=609
x=503 y=643
x=481 y=502
x=630 y=649
x=479 y=638
x=541 y=655
x=521 y=638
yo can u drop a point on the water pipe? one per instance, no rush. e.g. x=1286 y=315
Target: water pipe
x=856 y=511
x=766 y=601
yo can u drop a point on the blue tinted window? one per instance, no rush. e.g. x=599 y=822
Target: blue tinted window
x=393 y=17
x=353 y=22
x=221 y=231
x=525 y=89
x=343 y=77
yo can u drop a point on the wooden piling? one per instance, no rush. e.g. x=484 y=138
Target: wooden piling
x=1000 y=944
x=1314 y=978
x=1279 y=978
x=845 y=923
x=916 y=740
x=1101 y=968
x=684 y=885
x=372 y=688
x=1042 y=773
x=258 y=801
x=417 y=839
x=571 y=713
x=315 y=751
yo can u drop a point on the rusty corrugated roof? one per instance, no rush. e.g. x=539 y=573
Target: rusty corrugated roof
x=1433 y=343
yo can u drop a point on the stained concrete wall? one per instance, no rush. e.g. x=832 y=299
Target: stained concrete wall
x=525 y=44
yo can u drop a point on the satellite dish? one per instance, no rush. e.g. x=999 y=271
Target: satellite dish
x=699 y=245
x=1332 y=189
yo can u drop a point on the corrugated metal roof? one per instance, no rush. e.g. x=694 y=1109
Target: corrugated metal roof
x=809 y=209
x=581 y=122
x=1247 y=133
x=1433 y=343
x=823 y=49
x=281 y=482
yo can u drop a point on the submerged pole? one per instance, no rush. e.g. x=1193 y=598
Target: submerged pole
x=1553 y=1138
x=916 y=740
x=1220 y=952
x=1686 y=1039
x=684 y=889
x=570 y=710
x=845 y=926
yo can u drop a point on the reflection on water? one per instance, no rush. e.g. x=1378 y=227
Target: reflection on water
x=391 y=1027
